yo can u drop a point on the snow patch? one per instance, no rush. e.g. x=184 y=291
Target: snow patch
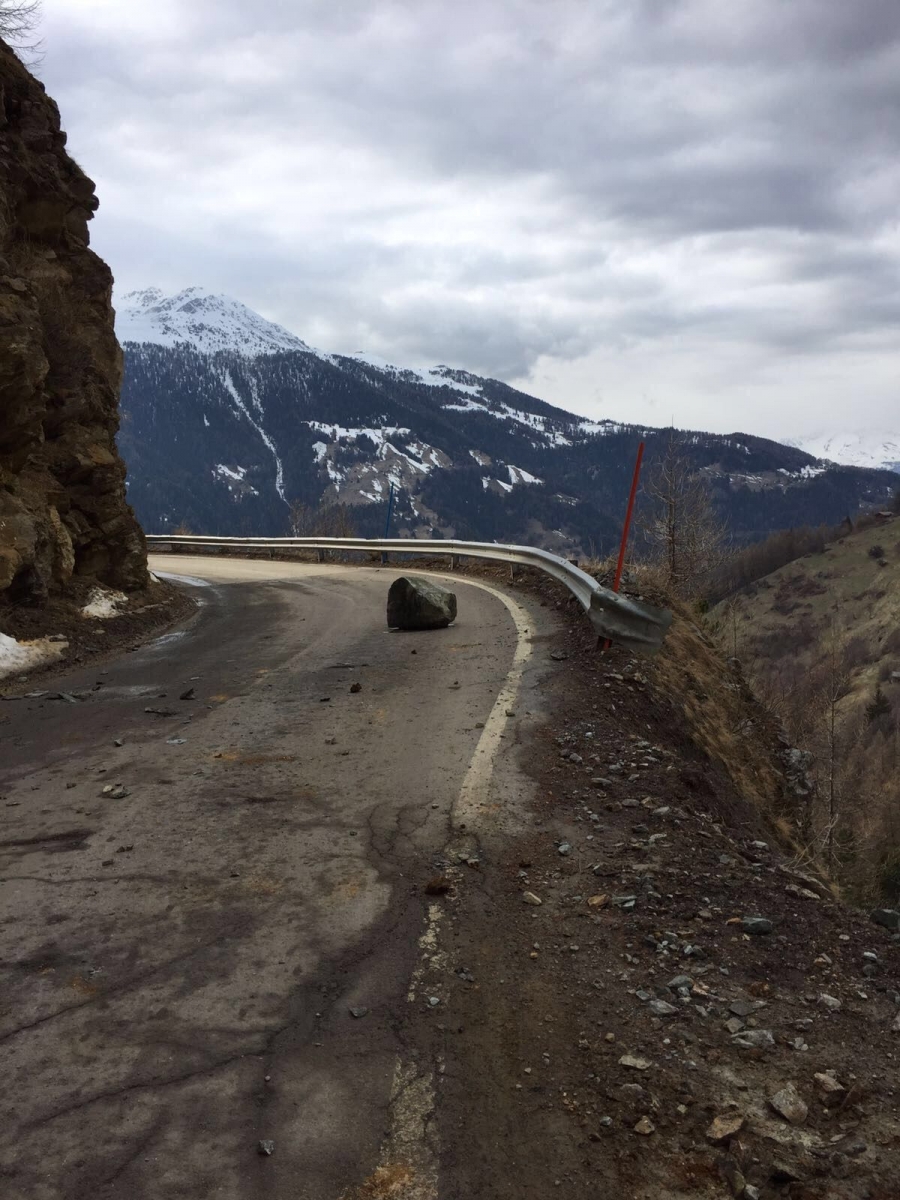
x=267 y=441
x=538 y=424
x=236 y=473
x=24 y=656
x=335 y=474
x=519 y=475
x=341 y=433
x=103 y=603
x=436 y=377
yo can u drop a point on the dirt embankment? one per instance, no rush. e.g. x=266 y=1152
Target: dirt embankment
x=652 y=997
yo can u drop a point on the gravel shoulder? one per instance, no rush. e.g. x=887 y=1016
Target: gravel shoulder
x=636 y=1033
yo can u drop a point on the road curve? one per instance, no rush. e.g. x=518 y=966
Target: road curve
x=179 y=964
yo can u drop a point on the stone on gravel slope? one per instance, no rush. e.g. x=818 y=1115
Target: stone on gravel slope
x=417 y=603
x=788 y=1103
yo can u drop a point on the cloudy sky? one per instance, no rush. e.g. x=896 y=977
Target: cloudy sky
x=644 y=209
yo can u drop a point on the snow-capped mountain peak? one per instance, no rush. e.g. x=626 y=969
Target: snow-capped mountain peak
x=200 y=319
x=875 y=449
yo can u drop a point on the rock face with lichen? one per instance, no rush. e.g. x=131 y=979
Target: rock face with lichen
x=63 y=512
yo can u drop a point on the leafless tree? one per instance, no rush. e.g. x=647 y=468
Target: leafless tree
x=680 y=522
x=19 y=20
x=328 y=520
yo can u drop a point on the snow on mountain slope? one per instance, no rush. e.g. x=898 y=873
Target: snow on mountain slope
x=202 y=320
x=854 y=449
x=209 y=323
x=437 y=377
x=234 y=425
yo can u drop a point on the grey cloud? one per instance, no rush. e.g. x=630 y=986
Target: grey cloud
x=501 y=184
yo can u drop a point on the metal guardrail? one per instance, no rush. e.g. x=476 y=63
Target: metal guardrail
x=632 y=623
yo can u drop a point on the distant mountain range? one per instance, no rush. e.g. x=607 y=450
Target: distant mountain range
x=229 y=420
x=877 y=450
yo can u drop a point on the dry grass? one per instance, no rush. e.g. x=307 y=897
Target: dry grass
x=845 y=588
x=816 y=640
x=721 y=714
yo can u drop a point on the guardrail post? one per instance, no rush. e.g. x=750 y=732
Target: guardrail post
x=320 y=556
x=454 y=561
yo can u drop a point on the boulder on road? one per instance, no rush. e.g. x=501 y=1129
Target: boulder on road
x=416 y=603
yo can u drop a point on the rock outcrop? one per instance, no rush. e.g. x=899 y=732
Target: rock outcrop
x=416 y=603
x=63 y=512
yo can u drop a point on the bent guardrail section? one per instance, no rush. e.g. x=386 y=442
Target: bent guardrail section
x=631 y=623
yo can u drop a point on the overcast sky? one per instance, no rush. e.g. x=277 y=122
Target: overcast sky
x=643 y=209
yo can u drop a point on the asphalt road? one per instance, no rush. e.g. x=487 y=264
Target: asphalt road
x=178 y=964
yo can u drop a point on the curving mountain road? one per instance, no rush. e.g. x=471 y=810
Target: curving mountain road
x=178 y=964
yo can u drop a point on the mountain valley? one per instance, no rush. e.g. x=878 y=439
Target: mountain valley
x=231 y=424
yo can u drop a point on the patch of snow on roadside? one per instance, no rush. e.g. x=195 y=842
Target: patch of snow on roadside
x=103 y=603
x=23 y=656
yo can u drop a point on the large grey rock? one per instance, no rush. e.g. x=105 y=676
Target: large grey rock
x=888 y=917
x=416 y=603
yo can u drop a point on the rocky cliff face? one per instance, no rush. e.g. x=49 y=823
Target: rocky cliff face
x=63 y=512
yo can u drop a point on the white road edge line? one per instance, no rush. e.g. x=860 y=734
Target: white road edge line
x=413 y=1142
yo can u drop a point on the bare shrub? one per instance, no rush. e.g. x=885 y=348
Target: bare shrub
x=19 y=20
x=679 y=522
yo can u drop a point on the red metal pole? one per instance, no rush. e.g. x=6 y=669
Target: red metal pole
x=627 y=527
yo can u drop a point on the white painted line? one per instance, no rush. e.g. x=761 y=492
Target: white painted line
x=413 y=1143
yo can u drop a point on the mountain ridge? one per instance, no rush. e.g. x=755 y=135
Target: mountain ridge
x=228 y=421
x=876 y=449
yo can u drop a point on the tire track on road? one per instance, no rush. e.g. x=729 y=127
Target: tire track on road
x=409 y=1158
